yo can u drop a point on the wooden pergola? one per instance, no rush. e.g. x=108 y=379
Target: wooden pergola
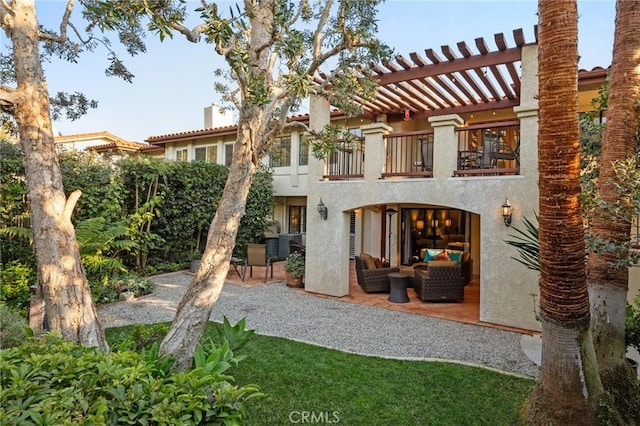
x=454 y=82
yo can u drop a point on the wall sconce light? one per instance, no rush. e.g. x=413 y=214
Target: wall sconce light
x=323 y=210
x=506 y=212
x=447 y=223
x=420 y=225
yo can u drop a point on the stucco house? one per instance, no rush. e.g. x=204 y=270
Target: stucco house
x=450 y=139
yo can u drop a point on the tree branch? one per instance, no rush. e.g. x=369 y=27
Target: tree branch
x=71 y=204
x=9 y=96
x=317 y=37
x=192 y=35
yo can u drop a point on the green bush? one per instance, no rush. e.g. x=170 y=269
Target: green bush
x=12 y=324
x=632 y=324
x=68 y=383
x=107 y=289
x=17 y=280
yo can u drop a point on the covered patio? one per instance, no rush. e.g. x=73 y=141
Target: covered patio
x=467 y=312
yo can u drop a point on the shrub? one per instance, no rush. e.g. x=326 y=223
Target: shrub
x=632 y=324
x=295 y=265
x=12 y=324
x=17 y=280
x=69 y=383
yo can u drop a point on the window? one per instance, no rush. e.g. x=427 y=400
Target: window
x=303 y=151
x=356 y=131
x=228 y=154
x=207 y=153
x=297 y=219
x=280 y=153
x=181 y=154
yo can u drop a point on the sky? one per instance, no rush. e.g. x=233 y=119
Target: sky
x=174 y=79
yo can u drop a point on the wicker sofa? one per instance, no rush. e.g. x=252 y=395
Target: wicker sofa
x=442 y=281
x=373 y=280
x=466 y=267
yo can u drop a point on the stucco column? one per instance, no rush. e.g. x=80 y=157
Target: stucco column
x=319 y=117
x=327 y=248
x=445 y=144
x=375 y=149
x=527 y=112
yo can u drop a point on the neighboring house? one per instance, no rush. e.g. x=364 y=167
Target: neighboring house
x=103 y=142
x=447 y=141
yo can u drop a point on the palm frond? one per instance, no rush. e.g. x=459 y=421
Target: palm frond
x=18 y=232
x=527 y=244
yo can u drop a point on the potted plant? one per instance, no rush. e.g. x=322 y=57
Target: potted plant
x=294 y=269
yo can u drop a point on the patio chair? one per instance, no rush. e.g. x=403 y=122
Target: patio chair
x=501 y=152
x=441 y=282
x=257 y=256
x=373 y=280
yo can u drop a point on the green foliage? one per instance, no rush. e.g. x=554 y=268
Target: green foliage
x=632 y=323
x=140 y=336
x=295 y=265
x=106 y=289
x=236 y=335
x=12 y=324
x=14 y=208
x=17 y=280
x=527 y=243
x=100 y=183
x=259 y=208
x=102 y=245
x=68 y=382
x=132 y=283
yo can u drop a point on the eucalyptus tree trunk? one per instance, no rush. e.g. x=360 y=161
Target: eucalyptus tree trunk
x=569 y=388
x=68 y=305
x=608 y=281
x=204 y=289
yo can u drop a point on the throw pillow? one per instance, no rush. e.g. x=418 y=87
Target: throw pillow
x=431 y=254
x=368 y=261
x=377 y=262
x=455 y=255
x=442 y=256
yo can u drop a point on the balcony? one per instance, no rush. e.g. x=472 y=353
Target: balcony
x=483 y=150
x=489 y=149
x=347 y=162
x=409 y=155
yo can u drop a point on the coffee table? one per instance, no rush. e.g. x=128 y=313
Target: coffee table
x=398 y=287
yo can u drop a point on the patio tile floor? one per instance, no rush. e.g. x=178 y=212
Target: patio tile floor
x=466 y=312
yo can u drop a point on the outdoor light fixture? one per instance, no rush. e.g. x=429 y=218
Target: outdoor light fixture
x=506 y=212
x=407 y=114
x=447 y=223
x=323 y=210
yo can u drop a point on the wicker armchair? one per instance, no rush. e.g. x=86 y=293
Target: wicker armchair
x=441 y=282
x=373 y=280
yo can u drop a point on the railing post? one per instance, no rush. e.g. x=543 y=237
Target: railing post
x=375 y=149
x=445 y=144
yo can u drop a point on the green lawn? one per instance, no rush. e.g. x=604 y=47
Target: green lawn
x=309 y=384
x=357 y=390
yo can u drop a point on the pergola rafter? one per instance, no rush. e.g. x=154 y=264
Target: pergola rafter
x=462 y=81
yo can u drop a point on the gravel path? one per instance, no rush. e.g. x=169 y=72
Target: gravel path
x=276 y=310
